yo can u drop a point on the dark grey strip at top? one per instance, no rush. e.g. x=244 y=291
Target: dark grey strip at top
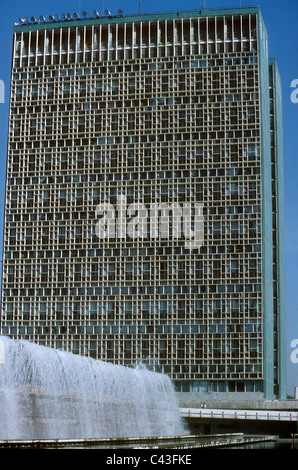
x=135 y=18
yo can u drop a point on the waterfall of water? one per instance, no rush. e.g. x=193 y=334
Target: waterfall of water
x=50 y=394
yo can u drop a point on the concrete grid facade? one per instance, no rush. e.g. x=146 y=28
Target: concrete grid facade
x=168 y=108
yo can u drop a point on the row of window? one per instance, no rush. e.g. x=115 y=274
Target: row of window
x=221 y=386
x=141 y=290
x=22 y=145
x=178 y=368
x=81 y=275
x=220 y=228
x=144 y=66
x=185 y=163
x=36 y=184
x=149 y=82
x=135 y=267
x=147 y=196
x=144 y=305
x=226 y=69
x=225 y=344
x=154 y=249
x=12 y=216
x=155 y=118
x=229 y=311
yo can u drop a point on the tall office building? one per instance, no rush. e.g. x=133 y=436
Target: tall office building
x=144 y=198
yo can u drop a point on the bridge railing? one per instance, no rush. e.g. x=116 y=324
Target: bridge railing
x=268 y=415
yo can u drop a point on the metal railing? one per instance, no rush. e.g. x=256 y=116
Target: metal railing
x=268 y=415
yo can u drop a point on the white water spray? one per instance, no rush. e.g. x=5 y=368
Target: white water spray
x=50 y=394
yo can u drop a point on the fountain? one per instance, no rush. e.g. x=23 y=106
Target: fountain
x=52 y=394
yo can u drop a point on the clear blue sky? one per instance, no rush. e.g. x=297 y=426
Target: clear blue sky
x=281 y=18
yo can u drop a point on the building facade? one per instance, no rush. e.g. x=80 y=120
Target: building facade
x=279 y=288
x=144 y=198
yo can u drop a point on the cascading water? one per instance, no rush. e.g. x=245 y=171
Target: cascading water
x=51 y=394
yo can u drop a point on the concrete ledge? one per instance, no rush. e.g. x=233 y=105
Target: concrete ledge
x=176 y=442
x=233 y=401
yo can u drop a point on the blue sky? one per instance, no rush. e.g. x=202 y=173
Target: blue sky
x=282 y=25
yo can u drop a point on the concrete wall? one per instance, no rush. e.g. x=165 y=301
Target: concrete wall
x=234 y=401
x=281 y=429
